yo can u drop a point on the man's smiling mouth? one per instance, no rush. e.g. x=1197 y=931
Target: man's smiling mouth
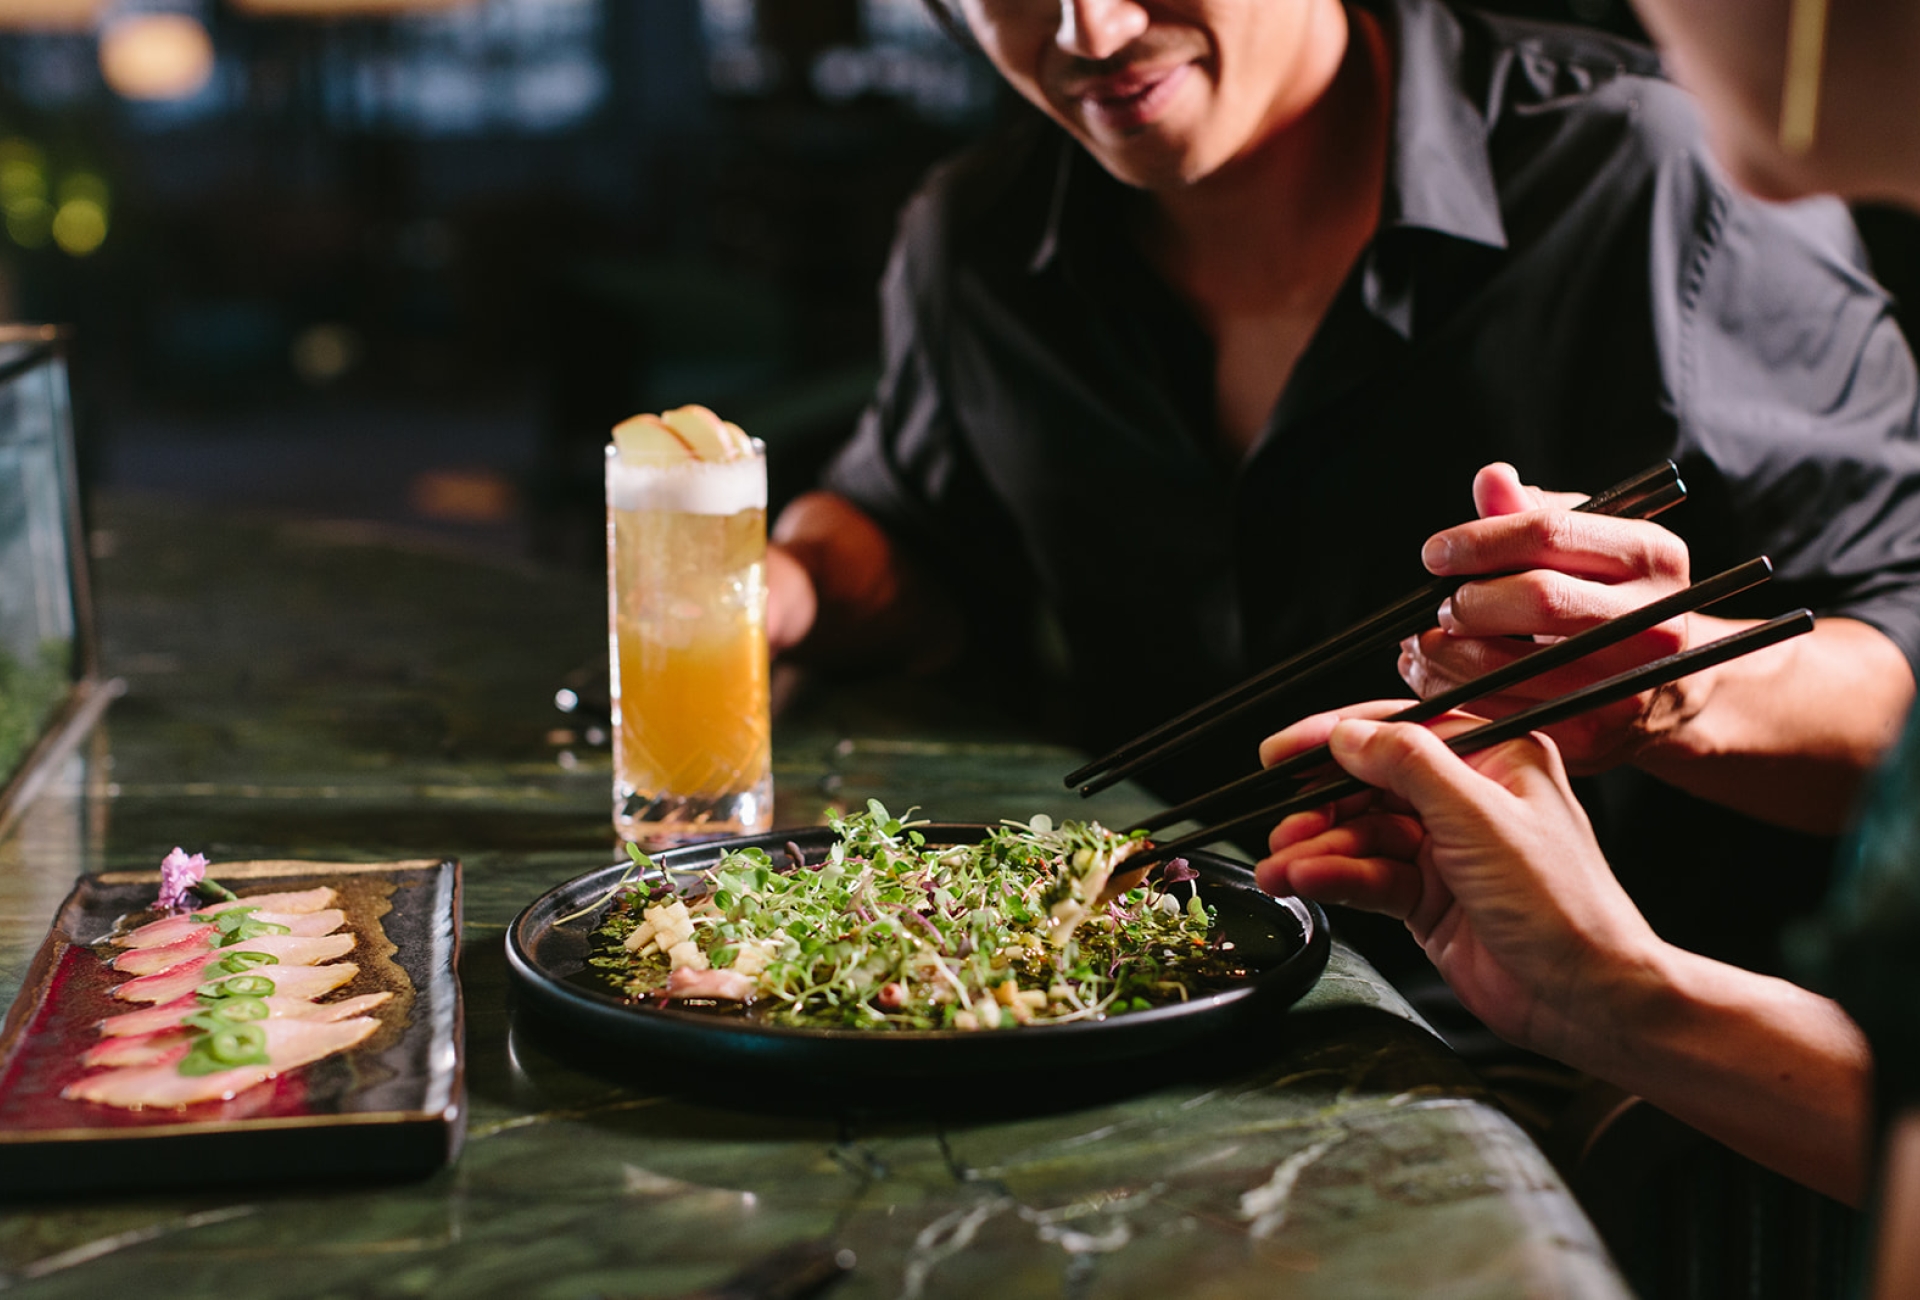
x=1129 y=100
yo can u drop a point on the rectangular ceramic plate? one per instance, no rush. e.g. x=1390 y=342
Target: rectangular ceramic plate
x=392 y=1107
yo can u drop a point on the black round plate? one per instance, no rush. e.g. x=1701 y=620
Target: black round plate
x=1283 y=940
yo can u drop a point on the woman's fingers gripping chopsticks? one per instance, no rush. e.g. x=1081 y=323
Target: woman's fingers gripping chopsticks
x=1494 y=869
x=1352 y=851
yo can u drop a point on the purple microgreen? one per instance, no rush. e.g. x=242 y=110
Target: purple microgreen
x=1177 y=870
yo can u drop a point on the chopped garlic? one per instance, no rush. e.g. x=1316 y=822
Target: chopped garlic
x=688 y=955
x=753 y=957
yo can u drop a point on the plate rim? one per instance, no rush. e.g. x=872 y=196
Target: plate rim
x=1313 y=950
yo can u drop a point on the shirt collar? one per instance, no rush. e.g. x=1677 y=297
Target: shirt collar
x=1439 y=176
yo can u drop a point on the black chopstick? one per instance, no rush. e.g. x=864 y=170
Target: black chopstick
x=1615 y=630
x=1643 y=496
x=1538 y=718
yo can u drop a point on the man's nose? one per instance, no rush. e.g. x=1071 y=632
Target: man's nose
x=1098 y=29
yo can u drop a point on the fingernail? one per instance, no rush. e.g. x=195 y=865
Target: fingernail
x=1448 y=623
x=1436 y=553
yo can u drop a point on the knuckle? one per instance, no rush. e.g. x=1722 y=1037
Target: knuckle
x=1550 y=596
x=1544 y=529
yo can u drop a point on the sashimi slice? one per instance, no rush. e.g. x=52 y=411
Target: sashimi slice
x=305 y=925
x=163 y=1019
x=325 y=921
x=288 y=981
x=157 y=1047
x=169 y=928
x=176 y=981
x=290 y=1044
x=164 y=1048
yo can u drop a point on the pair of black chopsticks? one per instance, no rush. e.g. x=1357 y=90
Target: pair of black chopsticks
x=1640 y=497
x=1643 y=496
x=1549 y=713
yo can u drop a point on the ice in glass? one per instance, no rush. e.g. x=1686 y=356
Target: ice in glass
x=687 y=599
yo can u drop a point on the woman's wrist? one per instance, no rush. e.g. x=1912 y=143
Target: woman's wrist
x=1613 y=1006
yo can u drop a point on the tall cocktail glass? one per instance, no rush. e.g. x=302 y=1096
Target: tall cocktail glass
x=687 y=606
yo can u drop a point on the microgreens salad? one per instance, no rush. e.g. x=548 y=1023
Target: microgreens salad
x=891 y=932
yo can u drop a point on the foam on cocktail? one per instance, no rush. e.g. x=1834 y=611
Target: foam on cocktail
x=693 y=487
x=687 y=460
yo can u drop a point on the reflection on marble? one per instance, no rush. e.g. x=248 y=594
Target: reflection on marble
x=301 y=697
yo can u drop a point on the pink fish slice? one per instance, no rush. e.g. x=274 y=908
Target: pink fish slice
x=177 y=981
x=308 y=982
x=169 y=928
x=158 y=1047
x=325 y=921
x=163 y=1048
x=290 y=1044
x=145 y=960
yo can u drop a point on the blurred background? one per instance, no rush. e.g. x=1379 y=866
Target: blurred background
x=406 y=261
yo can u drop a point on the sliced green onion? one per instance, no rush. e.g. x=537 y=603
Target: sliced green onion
x=236 y=962
x=235 y=986
x=226 y=1049
x=249 y=928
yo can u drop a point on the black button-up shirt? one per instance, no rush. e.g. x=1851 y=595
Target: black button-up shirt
x=1561 y=279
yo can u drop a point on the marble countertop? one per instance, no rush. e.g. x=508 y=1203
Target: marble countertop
x=337 y=691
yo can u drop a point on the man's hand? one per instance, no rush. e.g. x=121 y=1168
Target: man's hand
x=1569 y=572
x=792 y=603
x=1489 y=860
x=840 y=593
x=1785 y=734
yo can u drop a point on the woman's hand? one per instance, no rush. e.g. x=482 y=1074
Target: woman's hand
x=1492 y=865
x=1568 y=572
x=1489 y=860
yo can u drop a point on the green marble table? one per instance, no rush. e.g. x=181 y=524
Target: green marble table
x=332 y=691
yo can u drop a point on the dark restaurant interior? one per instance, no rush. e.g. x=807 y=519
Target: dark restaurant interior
x=400 y=266
x=411 y=268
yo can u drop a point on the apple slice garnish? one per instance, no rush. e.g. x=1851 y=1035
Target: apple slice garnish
x=702 y=430
x=649 y=440
x=713 y=437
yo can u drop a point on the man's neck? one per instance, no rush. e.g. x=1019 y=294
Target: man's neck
x=1307 y=193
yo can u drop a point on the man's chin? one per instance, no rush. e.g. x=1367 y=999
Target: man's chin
x=1150 y=164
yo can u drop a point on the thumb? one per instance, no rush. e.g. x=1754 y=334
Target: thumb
x=1497 y=490
x=1409 y=761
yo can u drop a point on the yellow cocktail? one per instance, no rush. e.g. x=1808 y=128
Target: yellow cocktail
x=686 y=587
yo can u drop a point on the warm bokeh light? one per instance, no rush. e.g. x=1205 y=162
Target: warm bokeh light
x=49 y=15
x=323 y=353
x=156 y=56
x=79 y=226
x=23 y=193
x=337 y=8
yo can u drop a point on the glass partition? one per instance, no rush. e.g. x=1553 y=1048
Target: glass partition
x=48 y=692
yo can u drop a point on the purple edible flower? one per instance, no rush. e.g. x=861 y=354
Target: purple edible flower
x=179 y=872
x=1178 y=870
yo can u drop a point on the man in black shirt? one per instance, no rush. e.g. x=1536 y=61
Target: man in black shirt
x=1201 y=367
